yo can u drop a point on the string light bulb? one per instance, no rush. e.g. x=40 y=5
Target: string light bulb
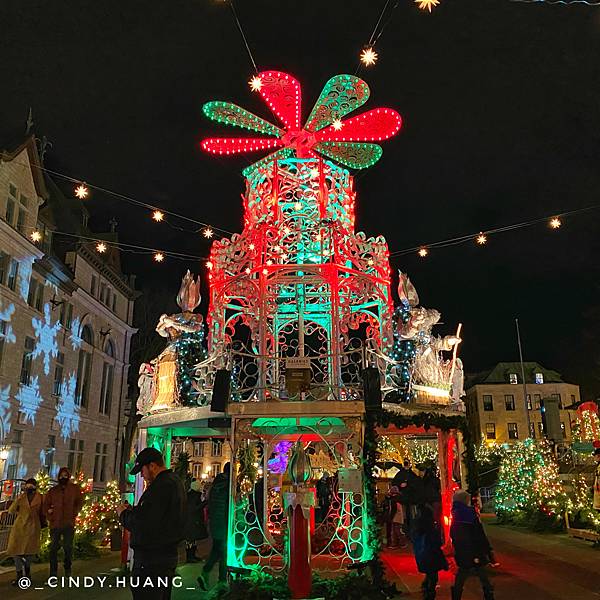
x=481 y=238
x=159 y=257
x=368 y=57
x=427 y=4
x=36 y=236
x=81 y=191
x=337 y=124
x=423 y=252
x=101 y=247
x=158 y=216
x=255 y=83
x=555 y=222
x=208 y=233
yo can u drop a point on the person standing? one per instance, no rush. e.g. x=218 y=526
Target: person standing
x=24 y=539
x=195 y=528
x=156 y=526
x=427 y=545
x=596 y=456
x=61 y=507
x=393 y=511
x=218 y=522
x=471 y=546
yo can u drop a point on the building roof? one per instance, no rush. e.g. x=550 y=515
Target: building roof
x=500 y=374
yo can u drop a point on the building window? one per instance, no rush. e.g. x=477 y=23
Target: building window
x=563 y=428
x=537 y=401
x=217 y=448
x=93 y=286
x=541 y=429
x=35 y=299
x=21 y=418
x=529 y=405
x=114 y=303
x=197 y=470
x=488 y=403
x=26 y=361
x=509 y=402
x=513 y=432
x=572 y=398
x=490 y=431
x=3 y=331
x=21 y=221
x=512 y=378
x=108 y=373
x=13 y=274
x=49 y=454
x=100 y=462
x=9 y=215
x=198 y=448
x=84 y=368
x=176 y=449
x=58 y=374
x=557 y=396
x=102 y=291
x=539 y=378
x=75 y=456
x=66 y=315
x=17 y=437
x=215 y=469
x=532 y=429
x=24 y=200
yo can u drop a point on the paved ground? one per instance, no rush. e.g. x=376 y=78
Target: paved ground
x=533 y=567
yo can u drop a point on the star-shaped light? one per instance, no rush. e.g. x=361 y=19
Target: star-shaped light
x=159 y=257
x=158 y=216
x=81 y=191
x=208 y=233
x=481 y=238
x=36 y=236
x=423 y=252
x=368 y=57
x=101 y=247
x=555 y=223
x=427 y=4
x=348 y=143
x=255 y=83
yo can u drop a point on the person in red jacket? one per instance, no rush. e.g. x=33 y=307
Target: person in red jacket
x=61 y=507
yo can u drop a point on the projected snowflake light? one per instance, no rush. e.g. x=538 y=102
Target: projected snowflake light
x=5 y=410
x=45 y=333
x=29 y=399
x=6 y=315
x=75 y=338
x=349 y=143
x=67 y=411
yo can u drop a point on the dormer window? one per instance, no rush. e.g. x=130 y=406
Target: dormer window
x=512 y=378
x=539 y=378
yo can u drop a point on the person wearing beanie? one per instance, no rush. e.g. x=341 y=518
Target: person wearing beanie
x=471 y=546
x=61 y=507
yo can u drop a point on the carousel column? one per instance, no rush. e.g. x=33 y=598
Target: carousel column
x=445 y=481
x=298 y=505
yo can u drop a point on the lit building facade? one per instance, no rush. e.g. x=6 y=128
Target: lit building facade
x=65 y=330
x=496 y=402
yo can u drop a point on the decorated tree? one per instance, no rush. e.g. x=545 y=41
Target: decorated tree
x=44 y=483
x=528 y=483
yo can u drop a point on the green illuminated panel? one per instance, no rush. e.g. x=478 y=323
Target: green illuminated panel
x=356 y=155
x=231 y=114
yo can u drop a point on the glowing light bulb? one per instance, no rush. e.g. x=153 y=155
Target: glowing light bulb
x=314 y=172
x=255 y=83
x=101 y=247
x=36 y=236
x=81 y=191
x=265 y=271
x=371 y=262
x=209 y=264
x=158 y=216
x=247 y=270
x=208 y=233
x=251 y=246
x=159 y=257
x=368 y=57
x=269 y=262
x=337 y=124
x=555 y=223
x=423 y=252
x=427 y=4
x=297 y=205
x=481 y=238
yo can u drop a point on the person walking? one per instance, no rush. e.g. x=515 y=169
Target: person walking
x=156 y=527
x=61 y=507
x=218 y=522
x=427 y=545
x=24 y=538
x=195 y=527
x=471 y=546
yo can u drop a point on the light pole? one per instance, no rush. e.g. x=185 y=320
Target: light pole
x=523 y=378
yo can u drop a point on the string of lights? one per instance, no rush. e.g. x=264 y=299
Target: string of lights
x=586 y=2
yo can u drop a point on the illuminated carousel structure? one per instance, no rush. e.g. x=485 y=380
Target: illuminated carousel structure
x=300 y=309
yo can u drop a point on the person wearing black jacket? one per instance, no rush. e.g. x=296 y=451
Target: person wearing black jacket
x=156 y=526
x=471 y=547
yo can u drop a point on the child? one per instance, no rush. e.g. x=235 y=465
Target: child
x=427 y=546
x=394 y=518
x=471 y=546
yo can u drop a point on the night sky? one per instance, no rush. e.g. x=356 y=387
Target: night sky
x=501 y=109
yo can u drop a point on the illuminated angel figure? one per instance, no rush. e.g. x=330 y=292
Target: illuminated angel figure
x=324 y=133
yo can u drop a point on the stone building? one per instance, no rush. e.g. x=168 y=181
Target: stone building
x=65 y=329
x=496 y=402
x=207 y=455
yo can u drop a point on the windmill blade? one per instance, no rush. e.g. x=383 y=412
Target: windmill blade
x=341 y=95
x=373 y=126
x=238 y=145
x=283 y=94
x=232 y=114
x=354 y=155
x=280 y=154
